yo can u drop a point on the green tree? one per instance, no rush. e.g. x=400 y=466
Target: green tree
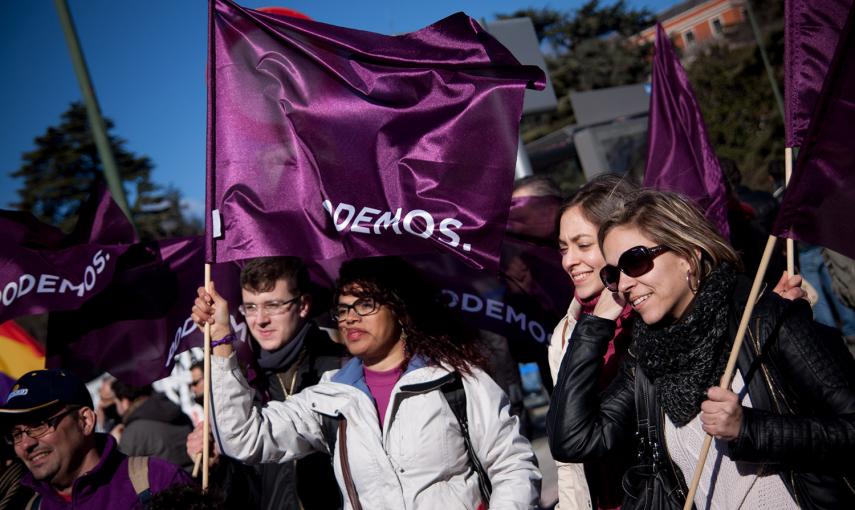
x=590 y=48
x=736 y=97
x=60 y=172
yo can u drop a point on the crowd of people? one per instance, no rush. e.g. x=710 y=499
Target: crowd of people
x=396 y=407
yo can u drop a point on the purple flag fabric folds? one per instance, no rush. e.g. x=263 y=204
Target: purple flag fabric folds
x=42 y=269
x=326 y=142
x=680 y=157
x=811 y=31
x=817 y=206
x=136 y=325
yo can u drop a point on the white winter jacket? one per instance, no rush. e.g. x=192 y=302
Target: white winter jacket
x=573 y=492
x=418 y=460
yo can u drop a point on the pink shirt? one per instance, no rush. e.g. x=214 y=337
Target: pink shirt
x=380 y=384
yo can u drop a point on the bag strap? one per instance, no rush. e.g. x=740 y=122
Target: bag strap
x=34 y=503
x=138 y=473
x=455 y=394
x=345 y=465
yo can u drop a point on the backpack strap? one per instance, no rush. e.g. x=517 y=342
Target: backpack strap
x=34 y=503
x=138 y=473
x=455 y=394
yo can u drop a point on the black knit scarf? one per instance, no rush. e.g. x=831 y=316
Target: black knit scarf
x=685 y=358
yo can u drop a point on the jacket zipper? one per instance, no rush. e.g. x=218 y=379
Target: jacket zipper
x=754 y=334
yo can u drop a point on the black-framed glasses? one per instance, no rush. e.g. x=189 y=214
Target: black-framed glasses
x=269 y=307
x=36 y=431
x=633 y=262
x=194 y=382
x=362 y=307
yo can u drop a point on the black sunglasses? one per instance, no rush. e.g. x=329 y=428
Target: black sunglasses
x=633 y=262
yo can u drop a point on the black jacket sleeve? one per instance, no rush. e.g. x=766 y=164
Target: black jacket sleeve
x=583 y=424
x=818 y=377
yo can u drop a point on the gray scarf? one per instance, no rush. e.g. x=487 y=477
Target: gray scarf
x=685 y=358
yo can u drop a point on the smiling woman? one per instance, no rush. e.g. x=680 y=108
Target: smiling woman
x=412 y=420
x=669 y=263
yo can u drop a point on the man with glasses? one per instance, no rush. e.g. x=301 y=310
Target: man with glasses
x=292 y=353
x=49 y=420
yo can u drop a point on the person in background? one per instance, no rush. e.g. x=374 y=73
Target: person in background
x=389 y=415
x=152 y=425
x=50 y=420
x=105 y=410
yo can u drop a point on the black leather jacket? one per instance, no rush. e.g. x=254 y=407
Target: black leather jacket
x=800 y=377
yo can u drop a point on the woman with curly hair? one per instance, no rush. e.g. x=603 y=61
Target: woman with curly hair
x=411 y=421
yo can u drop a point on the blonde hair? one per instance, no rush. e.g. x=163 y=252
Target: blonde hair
x=671 y=220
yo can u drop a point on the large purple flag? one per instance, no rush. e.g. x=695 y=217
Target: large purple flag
x=326 y=142
x=817 y=206
x=136 y=325
x=43 y=270
x=680 y=157
x=812 y=29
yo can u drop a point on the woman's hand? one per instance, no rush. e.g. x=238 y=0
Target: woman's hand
x=790 y=287
x=211 y=308
x=721 y=415
x=610 y=305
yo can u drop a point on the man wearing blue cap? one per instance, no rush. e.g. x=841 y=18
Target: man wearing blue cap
x=49 y=420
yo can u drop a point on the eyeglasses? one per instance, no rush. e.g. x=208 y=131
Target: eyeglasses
x=269 y=307
x=362 y=307
x=36 y=431
x=633 y=262
x=194 y=382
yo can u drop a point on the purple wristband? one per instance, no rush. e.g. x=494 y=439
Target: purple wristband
x=228 y=339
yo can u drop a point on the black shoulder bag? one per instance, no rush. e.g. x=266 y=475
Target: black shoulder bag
x=648 y=485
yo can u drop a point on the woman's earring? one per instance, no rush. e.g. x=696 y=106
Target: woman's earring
x=692 y=285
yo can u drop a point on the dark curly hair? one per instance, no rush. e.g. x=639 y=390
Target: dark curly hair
x=415 y=303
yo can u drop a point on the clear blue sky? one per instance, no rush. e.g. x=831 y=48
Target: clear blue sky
x=146 y=59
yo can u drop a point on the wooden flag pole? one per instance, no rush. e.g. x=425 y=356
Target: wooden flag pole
x=206 y=402
x=727 y=377
x=788 y=171
x=197 y=463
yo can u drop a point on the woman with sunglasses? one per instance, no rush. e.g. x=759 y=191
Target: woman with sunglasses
x=388 y=417
x=785 y=434
x=597 y=483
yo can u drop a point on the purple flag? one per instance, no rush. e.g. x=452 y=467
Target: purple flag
x=43 y=270
x=528 y=296
x=680 y=157
x=817 y=206
x=135 y=326
x=811 y=31
x=326 y=142
x=535 y=218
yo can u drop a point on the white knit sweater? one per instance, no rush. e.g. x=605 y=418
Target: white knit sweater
x=736 y=484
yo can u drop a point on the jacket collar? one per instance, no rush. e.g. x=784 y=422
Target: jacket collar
x=353 y=374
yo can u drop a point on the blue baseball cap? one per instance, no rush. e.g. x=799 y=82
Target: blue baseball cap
x=44 y=390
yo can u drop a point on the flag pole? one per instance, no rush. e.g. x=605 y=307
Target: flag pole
x=93 y=111
x=727 y=377
x=788 y=172
x=206 y=402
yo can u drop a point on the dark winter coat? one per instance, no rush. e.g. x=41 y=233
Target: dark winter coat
x=800 y=378
x=157 y=427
